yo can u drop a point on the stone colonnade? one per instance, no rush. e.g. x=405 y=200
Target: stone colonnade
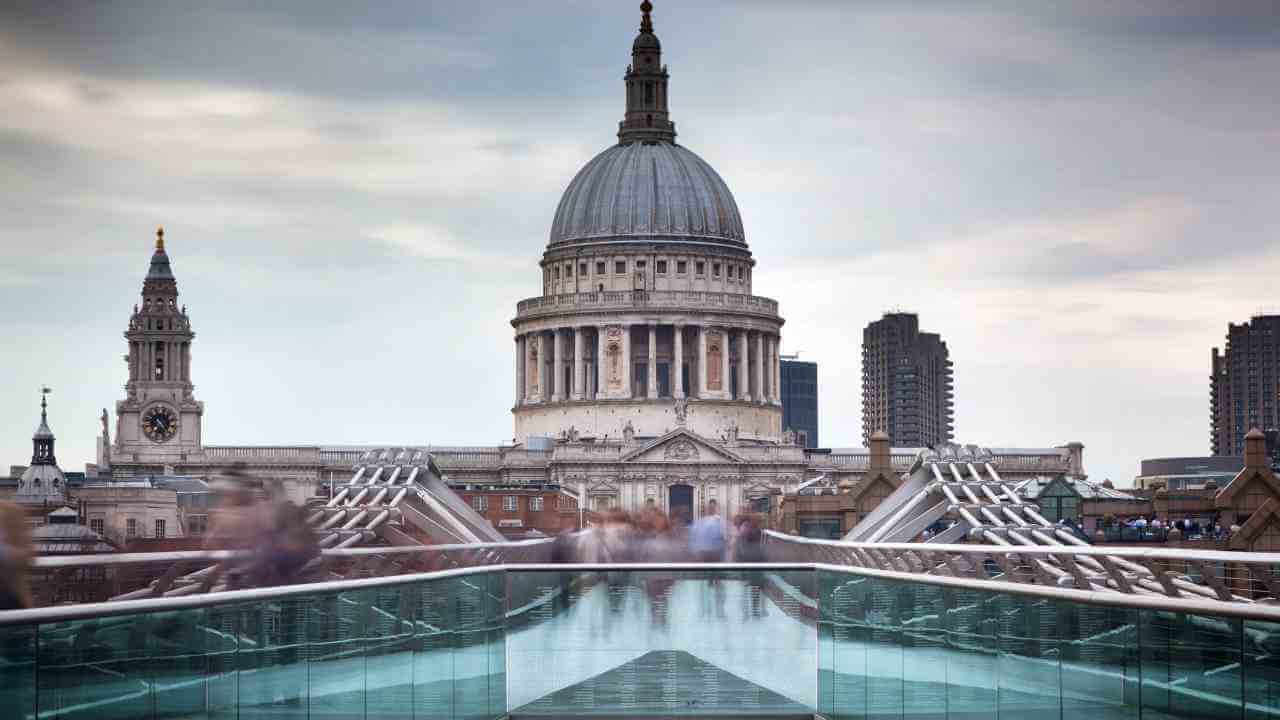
x=647 y=361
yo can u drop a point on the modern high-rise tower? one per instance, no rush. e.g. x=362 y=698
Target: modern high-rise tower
x=1244 y=387
x=906 y=383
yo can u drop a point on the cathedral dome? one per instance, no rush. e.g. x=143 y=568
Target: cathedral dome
x=648 y=191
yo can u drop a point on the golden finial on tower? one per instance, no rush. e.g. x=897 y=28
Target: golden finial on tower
x=160 y=239
x=646 y=24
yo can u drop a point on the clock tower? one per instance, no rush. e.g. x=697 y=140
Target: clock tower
x=158 y=422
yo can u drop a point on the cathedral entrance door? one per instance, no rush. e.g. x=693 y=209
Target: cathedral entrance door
x=680 y=503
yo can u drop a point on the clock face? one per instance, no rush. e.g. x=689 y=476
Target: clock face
x=160 y=423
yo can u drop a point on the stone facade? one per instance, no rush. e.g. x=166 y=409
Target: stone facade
x=647 y=318
x=159 y=419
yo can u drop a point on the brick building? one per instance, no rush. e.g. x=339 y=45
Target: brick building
x=520 y=512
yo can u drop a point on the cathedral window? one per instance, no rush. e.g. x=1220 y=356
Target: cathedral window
x=582 y=269
x=599 y=267
x=700 y=268
x=648 y=95
x=620 y=267
x=715 y=270
x=682 y=267
x=568 y=270
x=556 y=271
x=662 y=267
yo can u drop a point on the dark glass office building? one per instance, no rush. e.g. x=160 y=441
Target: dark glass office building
x=800 y=400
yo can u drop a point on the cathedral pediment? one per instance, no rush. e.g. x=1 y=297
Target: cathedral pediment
x=681 y=446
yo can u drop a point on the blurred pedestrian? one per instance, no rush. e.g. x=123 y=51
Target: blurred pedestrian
x=284 y=544
x=748 y=541
x=15 y=559
x=707 y=536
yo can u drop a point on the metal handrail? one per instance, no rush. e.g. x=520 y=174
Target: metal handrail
x=1141 y=553
x=1218 y=577
x=1251 y=611
x=213 y=556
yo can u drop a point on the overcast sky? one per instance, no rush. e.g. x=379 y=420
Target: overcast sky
x=1077 y=196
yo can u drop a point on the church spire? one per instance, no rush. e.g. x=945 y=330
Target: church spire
x=646 y=118
x=42 y=440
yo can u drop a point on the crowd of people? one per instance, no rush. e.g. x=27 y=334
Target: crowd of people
x=1190 y=528
x=652 y=536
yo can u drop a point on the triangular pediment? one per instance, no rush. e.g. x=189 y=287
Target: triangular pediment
x=681 y=446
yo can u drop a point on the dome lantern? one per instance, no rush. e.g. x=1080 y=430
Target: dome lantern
x=646 y=119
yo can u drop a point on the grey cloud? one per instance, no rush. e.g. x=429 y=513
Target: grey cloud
x=885 y=139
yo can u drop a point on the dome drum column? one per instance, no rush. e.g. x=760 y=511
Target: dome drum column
x=652 y=381
x=557 y=374
x=579 y=366
x=677 y=352
x=520 y=354
x=758 y=394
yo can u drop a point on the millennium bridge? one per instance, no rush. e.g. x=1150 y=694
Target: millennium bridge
x=1002 y=615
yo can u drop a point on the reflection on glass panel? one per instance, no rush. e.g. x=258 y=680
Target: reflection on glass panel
x=1261 y=668
x=884 y=651
x=662 y=643
x=496 y=623
x=1191 y=664
x=848 y=600
x=971 y=624
x=222 y=641
x=924 y=651
x=97 y=668
x=18 y=670
x=389 y=649
x=1099 y=661
x=470 y=648
x=179 y=663
x=432 y=649
x=272 y=660
x=335 y=659
x=1027 y=664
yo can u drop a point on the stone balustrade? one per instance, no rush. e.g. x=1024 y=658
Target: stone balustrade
x=645 y=299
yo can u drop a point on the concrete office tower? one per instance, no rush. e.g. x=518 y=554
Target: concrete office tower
x=906 y=383
x=1244 y=387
